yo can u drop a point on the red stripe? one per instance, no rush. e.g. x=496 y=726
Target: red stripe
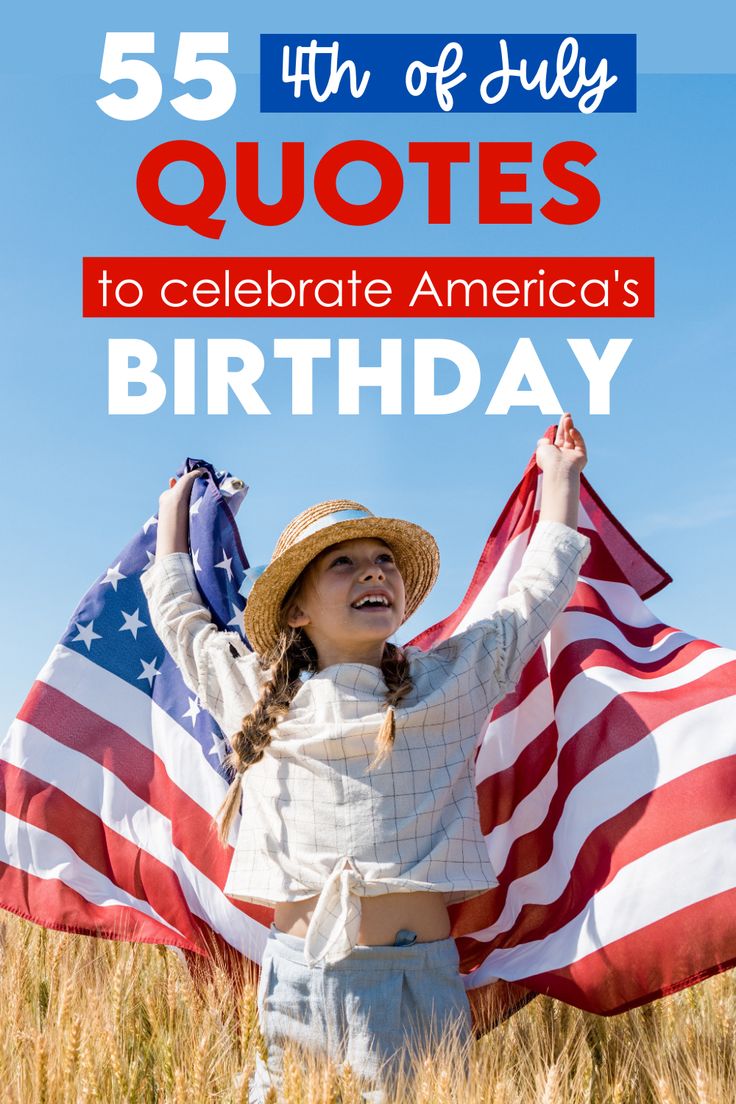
x=500 y=793
x=681 y=949
x=599 y=564
x=642 y=571
x=71 y=724
x=51 y=903
x=588 y=598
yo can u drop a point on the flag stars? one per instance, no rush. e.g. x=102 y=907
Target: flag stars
x=237 y=619
x=195 y=560
x=113 y=575
x=86 y=634
x=149 y=671
x=193 y=711
x=219 y=748
x=225 y=564
x=153 y=520
x=151 y=562
x=132 y=623
x=194 y=508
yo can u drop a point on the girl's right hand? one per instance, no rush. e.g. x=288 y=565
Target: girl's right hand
x=567 y=454
x=177 y=497
x=172 y=533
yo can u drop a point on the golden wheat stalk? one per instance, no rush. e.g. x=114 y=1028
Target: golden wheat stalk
x=88 y=1020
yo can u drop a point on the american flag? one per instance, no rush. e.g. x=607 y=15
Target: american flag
x=605 y=781
x=606 y=786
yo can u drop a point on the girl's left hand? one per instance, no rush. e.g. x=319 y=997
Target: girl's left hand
x=568 y=454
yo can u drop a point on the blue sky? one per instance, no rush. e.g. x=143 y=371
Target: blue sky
x=81 y=481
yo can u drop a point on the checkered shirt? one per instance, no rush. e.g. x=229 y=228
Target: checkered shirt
x=314 y=822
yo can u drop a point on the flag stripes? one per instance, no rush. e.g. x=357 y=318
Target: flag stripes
x=605 y=785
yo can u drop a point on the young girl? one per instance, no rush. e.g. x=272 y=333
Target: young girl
x=355 y=759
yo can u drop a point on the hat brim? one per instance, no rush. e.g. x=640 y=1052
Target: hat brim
x=417 y=558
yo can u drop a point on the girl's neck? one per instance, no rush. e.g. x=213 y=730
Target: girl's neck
x=370 y=654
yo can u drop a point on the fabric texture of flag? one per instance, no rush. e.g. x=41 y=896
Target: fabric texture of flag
x=606 y=781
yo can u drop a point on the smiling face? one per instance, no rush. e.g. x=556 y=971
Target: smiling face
x=350 y=602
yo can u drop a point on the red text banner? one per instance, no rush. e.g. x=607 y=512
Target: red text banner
x=365 y=287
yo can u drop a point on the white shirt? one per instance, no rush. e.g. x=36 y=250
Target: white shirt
x=314 y=822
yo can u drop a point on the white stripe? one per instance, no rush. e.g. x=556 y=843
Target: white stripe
x=135 y=713
x=671 y=878
x=496 y=585
x=43 y=855
x=574 y=625
x=673 y=749
x=623 y=601
x=584 y=521
x=105 y=795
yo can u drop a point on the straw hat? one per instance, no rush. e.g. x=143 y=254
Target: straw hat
x=327 y=523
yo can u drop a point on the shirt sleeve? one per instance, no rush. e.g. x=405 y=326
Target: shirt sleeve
x=497 y=648
x=216 y=665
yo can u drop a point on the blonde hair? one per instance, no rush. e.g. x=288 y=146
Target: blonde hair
x=293 y=653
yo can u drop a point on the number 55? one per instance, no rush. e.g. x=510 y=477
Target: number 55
x=189 y=66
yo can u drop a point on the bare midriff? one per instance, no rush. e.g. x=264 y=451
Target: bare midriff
x=381 y=917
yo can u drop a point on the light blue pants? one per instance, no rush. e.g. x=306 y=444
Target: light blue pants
x=367 y=1009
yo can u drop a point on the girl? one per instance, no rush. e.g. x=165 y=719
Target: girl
x=355 y=760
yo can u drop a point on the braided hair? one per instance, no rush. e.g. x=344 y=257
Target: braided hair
x=292 y=654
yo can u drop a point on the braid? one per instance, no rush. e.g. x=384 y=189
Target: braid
x=292 y=653
x=396 y=675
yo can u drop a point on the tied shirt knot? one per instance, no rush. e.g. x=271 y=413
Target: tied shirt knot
x=335 y=923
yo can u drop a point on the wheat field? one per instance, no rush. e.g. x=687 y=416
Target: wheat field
x=95 y=1020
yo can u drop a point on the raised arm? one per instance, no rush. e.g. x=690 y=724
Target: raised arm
x=548 y=574
x=494 y=650
x=562 y=463
x=216 y=665
x=172 y=534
